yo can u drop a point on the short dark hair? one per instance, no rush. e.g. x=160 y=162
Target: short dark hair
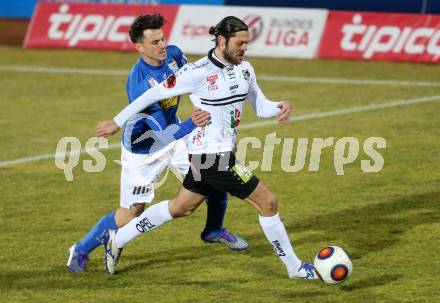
x=143 y=22
x=227 y=28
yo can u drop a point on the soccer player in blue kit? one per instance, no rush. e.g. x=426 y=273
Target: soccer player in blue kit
x=150 y=142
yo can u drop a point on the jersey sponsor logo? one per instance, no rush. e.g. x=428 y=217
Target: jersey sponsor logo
x=212 y=87
x=152 y=81
x=231 y=72
x=233 y=88
x=246 y=74
x=212 y=79
x=201 y=65
x=184 y=60
x=141 y=190
x=198 y=138
x=181 y=71
x=170 y=82
x=242 y=172
x=235 y=118
x=169 y=103
x=228 y=132
x=173 y=66
x=278 y=249
x=144 y=225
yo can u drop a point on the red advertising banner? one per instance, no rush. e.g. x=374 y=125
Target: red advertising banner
x=89 y=26
x=381 y=36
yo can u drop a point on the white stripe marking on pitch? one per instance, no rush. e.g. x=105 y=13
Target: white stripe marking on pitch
x=320 y=80
x=308 y=80
x=311 y=116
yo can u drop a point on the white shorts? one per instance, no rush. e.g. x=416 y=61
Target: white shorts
x=141 y=173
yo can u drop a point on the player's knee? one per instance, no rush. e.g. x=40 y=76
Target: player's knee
x=186 y=212
x=137 y=209
x=124 y=216
x=181 y=213
x=269 y=207
x=178 y=211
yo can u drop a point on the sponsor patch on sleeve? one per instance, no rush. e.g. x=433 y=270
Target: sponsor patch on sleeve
x=170 y=82
x=169 y=103
x=242 y=171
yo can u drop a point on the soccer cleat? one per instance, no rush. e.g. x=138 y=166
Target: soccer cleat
x=77 y=260
x=305 y=272
x=111 y=251
x=230 y=240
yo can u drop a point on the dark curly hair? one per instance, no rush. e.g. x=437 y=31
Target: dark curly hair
x=143 y=22
x=227 y=28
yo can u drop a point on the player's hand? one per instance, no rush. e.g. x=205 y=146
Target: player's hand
x=200 y=117
x=106 y=129
x=285 y=113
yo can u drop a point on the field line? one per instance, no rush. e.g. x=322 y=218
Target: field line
x=344 y=81
x=312 y=116
x=308 y=80
x=49 y=156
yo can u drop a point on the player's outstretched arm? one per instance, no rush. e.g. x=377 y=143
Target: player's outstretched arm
x=198 y=117
x=185 y=82
x=173 y=86
x=263 y=107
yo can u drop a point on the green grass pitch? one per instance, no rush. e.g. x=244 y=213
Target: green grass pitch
x=389 y=221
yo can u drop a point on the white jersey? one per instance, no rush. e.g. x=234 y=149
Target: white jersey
x=217 y=88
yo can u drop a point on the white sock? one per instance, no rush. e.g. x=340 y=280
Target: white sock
x=153 y=217
x=276 y=233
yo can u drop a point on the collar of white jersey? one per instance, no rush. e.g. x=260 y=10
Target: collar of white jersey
x=213 y=58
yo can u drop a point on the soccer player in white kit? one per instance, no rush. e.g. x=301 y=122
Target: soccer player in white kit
x=152 y=141
x=218 y=83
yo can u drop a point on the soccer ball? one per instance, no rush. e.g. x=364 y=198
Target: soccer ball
x=333 y=265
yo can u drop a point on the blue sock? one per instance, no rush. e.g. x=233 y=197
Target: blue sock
x=217 y=203
x=93 y=237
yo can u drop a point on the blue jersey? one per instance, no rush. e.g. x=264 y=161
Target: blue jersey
x=143 y=130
